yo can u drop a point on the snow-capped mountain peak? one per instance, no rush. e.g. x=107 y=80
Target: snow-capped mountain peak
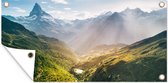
x=108 y=13
x=106 y=28
x=136 y=11
x=37 y=10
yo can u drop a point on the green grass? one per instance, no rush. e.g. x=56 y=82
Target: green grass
x=53 y=59
x=142 y=61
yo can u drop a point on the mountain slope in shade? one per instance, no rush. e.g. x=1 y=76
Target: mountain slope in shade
x=141 y=61
x=162 y=35
x=53 y=58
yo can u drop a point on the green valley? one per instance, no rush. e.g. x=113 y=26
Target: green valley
x=144 y=60
x=53 y=58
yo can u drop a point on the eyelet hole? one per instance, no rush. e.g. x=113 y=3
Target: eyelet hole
x=6 y=4
x=162 y=4
x=30 y=55
x=161 y=77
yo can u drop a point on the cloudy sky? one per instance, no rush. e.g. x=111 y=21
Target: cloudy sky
x=76 y=9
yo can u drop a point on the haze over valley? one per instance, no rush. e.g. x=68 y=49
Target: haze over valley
x=112 y=46
x=124 y=27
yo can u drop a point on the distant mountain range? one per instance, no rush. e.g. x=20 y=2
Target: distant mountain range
x=41 y=22
x=55 y=61
x=125 y=27
x=120 y=46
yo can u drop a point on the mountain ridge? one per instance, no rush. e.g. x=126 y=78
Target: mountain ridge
x=143 y=63
x=149 y=58
x=53 y=57
x=110 y=28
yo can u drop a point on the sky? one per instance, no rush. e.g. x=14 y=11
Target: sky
x=77 y=9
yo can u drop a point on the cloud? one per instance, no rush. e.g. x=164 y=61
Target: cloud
x=67 y=8
x=50 y=7
x=20 y=10
x=60 y=1
x=83 y=15
x=70 y=15
x=43 y=2
x=81 y=11
x=56 y=12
